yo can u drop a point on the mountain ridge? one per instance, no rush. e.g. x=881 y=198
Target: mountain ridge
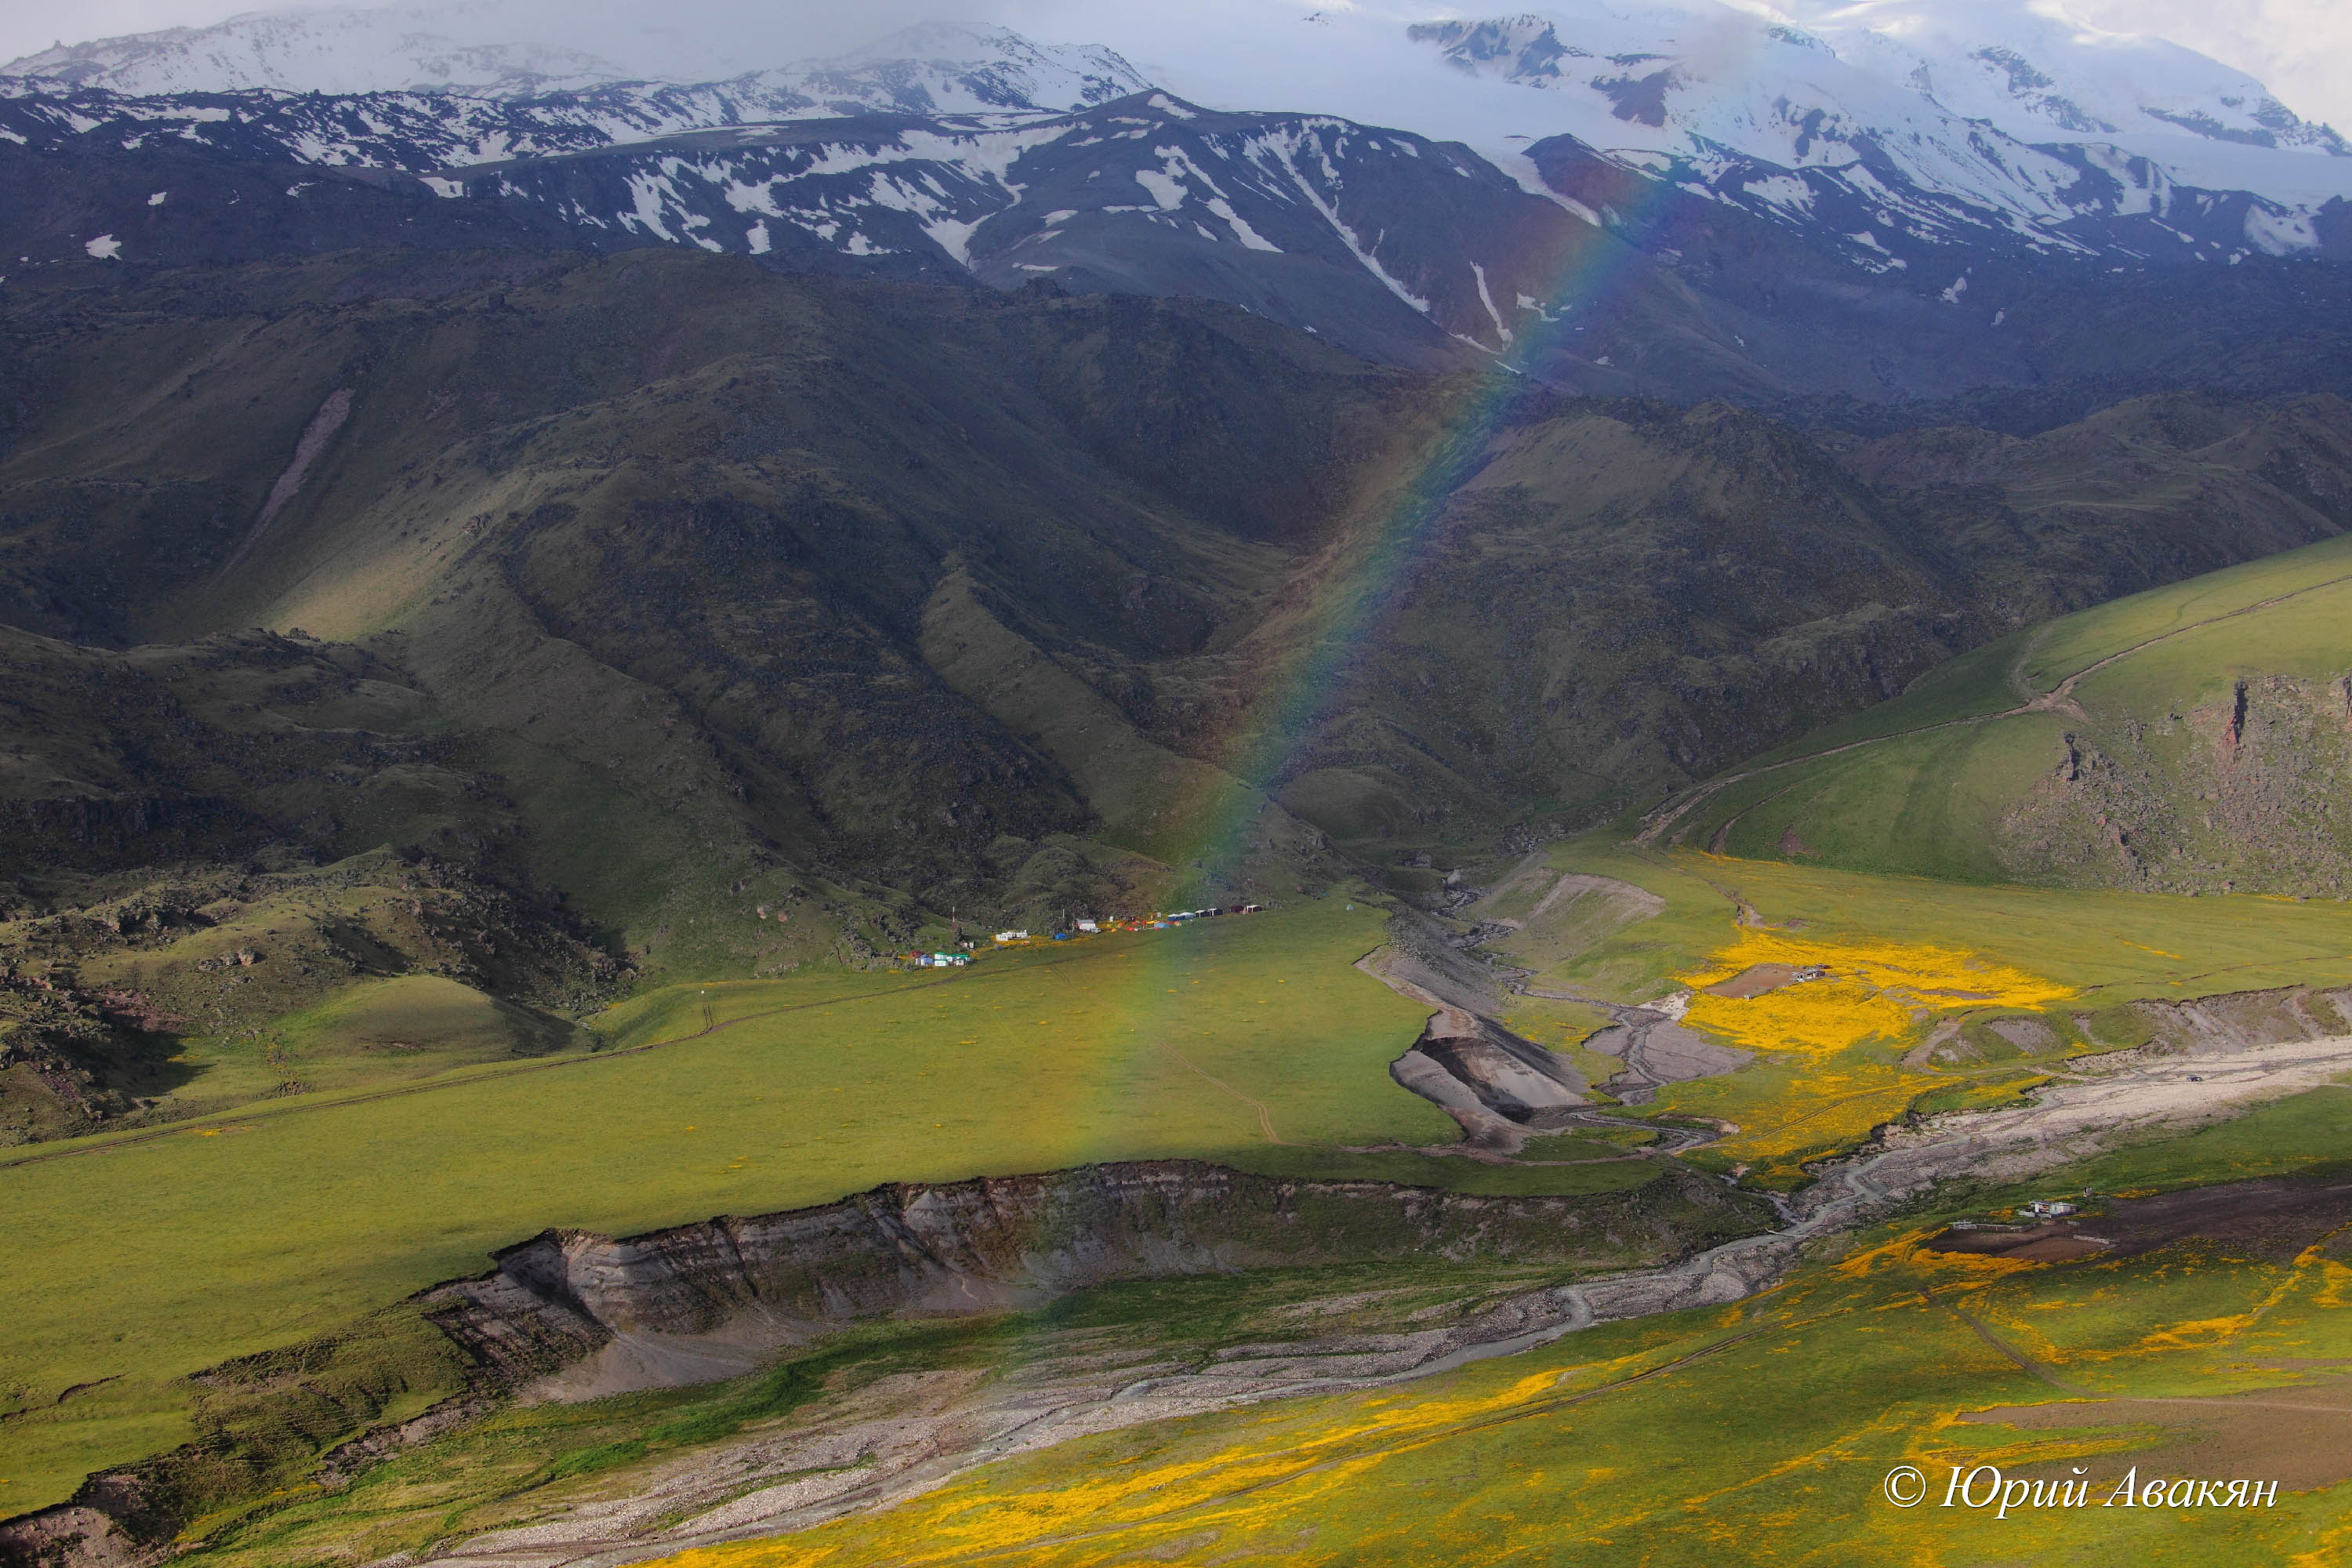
x=1880 y=146
x=1810 y=257
x=739 y=505
x=1412 y=252
x=300 y=52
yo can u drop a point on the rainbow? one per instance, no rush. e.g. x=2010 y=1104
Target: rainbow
x=1356 y=580
x=1352 y=585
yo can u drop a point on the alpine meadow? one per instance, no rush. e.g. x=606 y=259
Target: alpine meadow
x=1215 y=783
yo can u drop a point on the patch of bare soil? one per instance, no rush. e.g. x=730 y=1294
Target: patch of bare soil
x=1761 y=979
x=1492 y=1082
x=2037 y=1244
x=2266 y=1218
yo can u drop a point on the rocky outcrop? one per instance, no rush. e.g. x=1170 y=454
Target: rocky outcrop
x=73 y=1536
x=1002 y=1243
x=570 y=1314
x=1493 y=1083
x=100 y=834
x=2246 y=1018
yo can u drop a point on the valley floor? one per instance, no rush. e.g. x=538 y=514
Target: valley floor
x=1115 y=1426
x=1884 y=1053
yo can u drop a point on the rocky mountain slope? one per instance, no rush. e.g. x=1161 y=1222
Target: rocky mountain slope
x=204 y=838
x=2193 y=740
x=906 y=589
x=670 y=544
x=1875 y=245
x=1410 y=251
x=1913 y=116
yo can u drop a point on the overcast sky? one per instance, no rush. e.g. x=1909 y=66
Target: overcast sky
x=2302 y=49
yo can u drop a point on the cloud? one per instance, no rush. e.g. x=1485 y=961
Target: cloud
x=27 y=29
x=713 y=38
x=2301 y=49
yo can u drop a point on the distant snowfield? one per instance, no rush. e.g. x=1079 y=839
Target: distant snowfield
x=506 y=49
x=1990 y=102
x=1914 y=73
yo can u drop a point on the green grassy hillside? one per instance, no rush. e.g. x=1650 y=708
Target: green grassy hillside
x=776 y=567
x=2192 y=739
x=707 y=624
x=140 y=1259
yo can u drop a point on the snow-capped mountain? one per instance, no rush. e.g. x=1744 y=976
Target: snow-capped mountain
x=936 y=69
x=1310 y=220
x=1768 y=117
x=1894 y=69
x=927 y=71
x=1782 y=130
x=377 y=49
x=1789 y=220
x=2009 y=126
x=944 y=67
x=1881 y=125
x=2039 y=77
x=1392 y=245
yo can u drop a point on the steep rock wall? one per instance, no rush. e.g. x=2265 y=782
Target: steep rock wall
x=1000 y=1243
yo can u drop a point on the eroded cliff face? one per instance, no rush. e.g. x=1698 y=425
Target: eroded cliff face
x=2235 y=1021
x=677 y=1305
x=2245 y=793
x=569 y=1314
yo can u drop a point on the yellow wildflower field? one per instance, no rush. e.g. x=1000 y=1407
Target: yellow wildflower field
x=1762 y=1432
x=1872 y=990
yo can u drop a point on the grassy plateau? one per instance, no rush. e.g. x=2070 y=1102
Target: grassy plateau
x=137 y=1260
